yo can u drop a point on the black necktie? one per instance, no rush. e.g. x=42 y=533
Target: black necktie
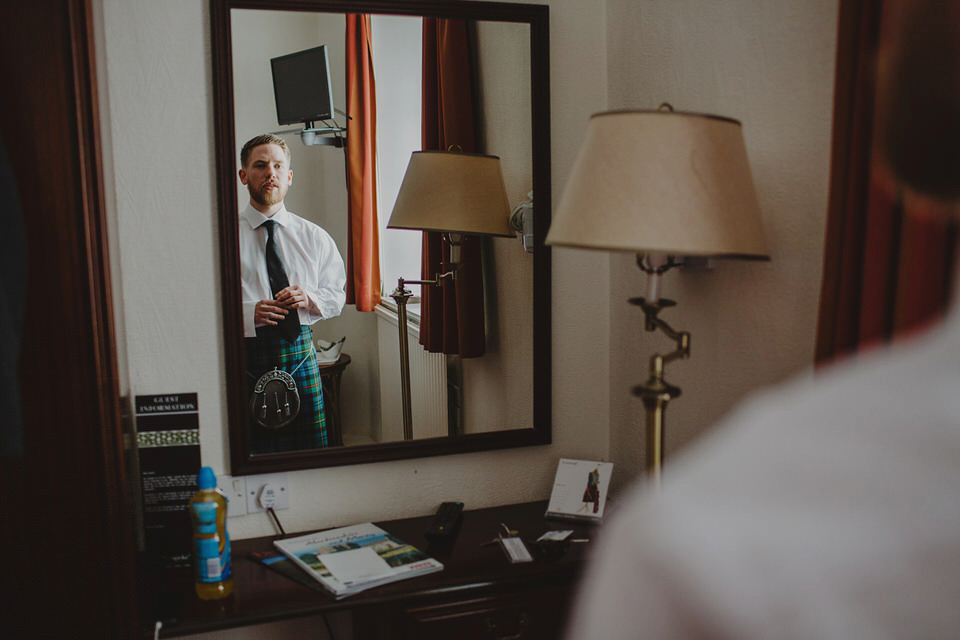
x=290 y=325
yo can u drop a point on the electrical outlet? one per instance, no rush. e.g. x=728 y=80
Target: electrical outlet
x=279 y=494
x=236 y=491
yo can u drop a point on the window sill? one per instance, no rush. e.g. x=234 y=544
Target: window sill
x=387 y=309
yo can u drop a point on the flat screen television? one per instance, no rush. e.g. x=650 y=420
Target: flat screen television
x=301 y=86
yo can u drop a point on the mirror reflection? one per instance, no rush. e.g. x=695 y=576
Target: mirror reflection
x=451 y=395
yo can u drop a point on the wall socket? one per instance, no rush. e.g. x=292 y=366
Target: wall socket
x=236 y=491
x=265 y=489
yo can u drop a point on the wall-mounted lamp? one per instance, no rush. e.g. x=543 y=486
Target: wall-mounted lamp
x=521 y=220
x=456 y=194
x=661 y=184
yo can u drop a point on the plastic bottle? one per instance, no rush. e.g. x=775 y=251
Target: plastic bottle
x=211 y=543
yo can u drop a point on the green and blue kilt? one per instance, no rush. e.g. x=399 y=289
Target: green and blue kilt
x=268 y=350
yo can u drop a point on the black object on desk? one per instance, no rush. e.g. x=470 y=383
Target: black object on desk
x=445 y=523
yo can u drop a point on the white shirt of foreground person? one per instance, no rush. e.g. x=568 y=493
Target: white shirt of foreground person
x=310 y=260
x=827 y=508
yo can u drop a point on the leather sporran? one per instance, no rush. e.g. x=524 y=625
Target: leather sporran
x=274 y=402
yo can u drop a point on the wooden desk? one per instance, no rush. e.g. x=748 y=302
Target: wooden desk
x=478 y=594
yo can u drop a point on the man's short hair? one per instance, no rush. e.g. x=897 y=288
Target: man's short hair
x=266 y=138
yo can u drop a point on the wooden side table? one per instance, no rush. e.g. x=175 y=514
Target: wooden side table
x=330 y=373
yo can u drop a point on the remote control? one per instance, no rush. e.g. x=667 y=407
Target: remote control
x=445 y=522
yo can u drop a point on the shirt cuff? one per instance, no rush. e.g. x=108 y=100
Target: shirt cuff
x=249 y=328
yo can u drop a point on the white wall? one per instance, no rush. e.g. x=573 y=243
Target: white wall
x=498 y=388
x=770 y=65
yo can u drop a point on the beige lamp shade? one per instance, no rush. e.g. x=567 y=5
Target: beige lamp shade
x=453 y=192
x=661 y=181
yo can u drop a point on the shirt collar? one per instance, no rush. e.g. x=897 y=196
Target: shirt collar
x=254 y=218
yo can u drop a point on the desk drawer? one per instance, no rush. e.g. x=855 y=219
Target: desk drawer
x=532 y=614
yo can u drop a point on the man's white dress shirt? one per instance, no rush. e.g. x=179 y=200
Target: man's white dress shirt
x=828 y=508
x=310 y=259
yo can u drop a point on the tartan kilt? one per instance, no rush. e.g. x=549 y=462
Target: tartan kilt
x=309 y=429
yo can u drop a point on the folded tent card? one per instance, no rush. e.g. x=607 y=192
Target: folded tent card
x=580 y=490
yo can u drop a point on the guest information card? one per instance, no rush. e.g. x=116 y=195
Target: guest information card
x=168 y=444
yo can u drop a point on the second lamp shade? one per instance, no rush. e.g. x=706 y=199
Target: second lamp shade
x=453 y=192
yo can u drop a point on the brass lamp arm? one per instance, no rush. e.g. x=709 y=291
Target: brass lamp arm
x=402 y=282
x=682 y=338
x=682 y=352
x=653 y=322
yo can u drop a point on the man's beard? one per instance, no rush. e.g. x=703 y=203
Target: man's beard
x=266 y=197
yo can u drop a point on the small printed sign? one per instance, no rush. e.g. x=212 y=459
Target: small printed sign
x=168 y=446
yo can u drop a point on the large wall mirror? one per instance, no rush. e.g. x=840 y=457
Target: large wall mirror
x=498 y=400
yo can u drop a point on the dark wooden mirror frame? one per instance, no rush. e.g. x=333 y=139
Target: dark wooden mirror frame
x=241 y=460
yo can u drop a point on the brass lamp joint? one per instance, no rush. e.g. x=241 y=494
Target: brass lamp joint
x=682 y=352
x=402 y=283
x=653 y=322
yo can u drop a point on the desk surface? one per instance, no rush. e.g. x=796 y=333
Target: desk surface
x=264 y=595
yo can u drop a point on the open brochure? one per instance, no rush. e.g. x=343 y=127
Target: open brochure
x=351 y=559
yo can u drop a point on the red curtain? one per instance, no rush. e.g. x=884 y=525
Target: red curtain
x=452 y=315
x=888 y=267
x=363 y=235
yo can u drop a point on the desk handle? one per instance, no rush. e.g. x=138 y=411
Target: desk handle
x=521 y=626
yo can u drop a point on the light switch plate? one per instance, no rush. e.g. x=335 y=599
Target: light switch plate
x=236 y=491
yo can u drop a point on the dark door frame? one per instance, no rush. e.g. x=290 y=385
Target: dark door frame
x=68 y=533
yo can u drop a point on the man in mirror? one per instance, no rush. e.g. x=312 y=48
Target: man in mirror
x=292 y=275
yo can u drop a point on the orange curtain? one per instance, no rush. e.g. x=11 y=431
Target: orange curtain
x=363 y=235
x=888 y=267
x=452 y=315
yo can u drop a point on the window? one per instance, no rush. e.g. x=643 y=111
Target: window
x=397 y=44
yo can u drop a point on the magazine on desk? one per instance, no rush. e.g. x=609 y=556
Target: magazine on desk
x=350 y=559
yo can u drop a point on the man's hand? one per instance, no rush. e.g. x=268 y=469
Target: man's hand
x=292 y=297
x=272 y=311
x=268 y=312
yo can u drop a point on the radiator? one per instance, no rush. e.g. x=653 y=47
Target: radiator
x=428 y=385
